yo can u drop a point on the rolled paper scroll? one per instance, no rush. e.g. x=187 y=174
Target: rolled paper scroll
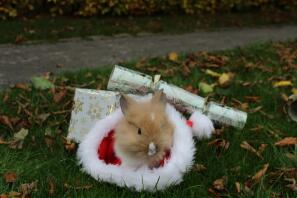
x=130 y=81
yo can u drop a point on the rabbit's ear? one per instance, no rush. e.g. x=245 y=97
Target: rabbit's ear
x=125 y=103
x=159 y=97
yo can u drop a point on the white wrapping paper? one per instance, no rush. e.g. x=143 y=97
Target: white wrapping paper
x=126 y=80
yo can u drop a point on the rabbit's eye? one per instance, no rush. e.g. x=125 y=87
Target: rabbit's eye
x=139 y=131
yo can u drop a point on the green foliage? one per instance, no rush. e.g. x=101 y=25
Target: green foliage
x=86 y=8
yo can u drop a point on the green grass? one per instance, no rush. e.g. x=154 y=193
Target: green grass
x=51 y=29
x=37 y=161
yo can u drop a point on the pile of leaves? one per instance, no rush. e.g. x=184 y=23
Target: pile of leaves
x=260 y=160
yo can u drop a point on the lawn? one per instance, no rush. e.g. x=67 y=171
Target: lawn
x=46 y=158
x=45 y=28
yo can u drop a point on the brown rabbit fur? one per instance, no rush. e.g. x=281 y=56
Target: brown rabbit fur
x=143 y=123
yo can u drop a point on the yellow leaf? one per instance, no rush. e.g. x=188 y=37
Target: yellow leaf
x=205 y=88
x=282 y=83
x=294 y=91
x=173 y=56
x=212 y=73
x=225 y=78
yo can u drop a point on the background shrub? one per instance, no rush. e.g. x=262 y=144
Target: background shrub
x=86 y=8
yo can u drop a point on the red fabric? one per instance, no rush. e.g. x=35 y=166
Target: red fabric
x=106 y=151
x=190 y=123
x=107 y=154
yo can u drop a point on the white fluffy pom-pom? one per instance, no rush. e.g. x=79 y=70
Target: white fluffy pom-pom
x=202 y=125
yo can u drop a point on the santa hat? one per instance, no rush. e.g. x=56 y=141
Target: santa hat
x=201 y=125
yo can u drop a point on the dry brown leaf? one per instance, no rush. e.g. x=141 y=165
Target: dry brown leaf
x=3 y=196
x=199 y=167
x=191 y=89
x=173 y=56
x=258 y=127
x=257 y=177
x=14 y=194
x=42 y=117
x=262 y=148
x=252 y=98
x=3 y=141
x=6 y=121
x=220 y=143
x=218 y=184
x=58 y=96
x=244 y=106
x=69 y=145
x=256 y=109
x=28 y=188
x=19 y=39
x=237 y=187
x=293 y=185
x=51 y=187
x=245 y=145
x=10 y=177
x=285 y=97
x=23 y=86
x=288 y=141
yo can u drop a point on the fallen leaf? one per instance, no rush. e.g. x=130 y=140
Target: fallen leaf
x=225 y=79
x=3 y=142
x=69 y=145
x=41 y=83
x=288 y=141
x=252 y=98
x=51 y=187
x=173 y=56
x=21 y=135
x=28 y=188
x=10 y=177
x=14 y=194
x=293 y=185
x=256 y=109
x=58 y=97
x=212 y=73
x=191 y=89
x=285 y=97
x=42 y=117
x=219 y=184
x=18 y=140
x=237 y=187
x=257 y=177
x=6 y=121
x=199 y=167
x=258 y=127
x=282 y=83
x=262 y=148
x=205 y=88
x=3 y=196
x=220 y=143
x=245 y=145
x=19 y=39
x=23 y=86
x=244 y=106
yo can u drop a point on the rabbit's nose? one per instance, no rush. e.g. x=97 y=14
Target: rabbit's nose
x=152 y=149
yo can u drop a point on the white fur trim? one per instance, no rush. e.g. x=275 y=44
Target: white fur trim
x=182 y=154
x=202 y=125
